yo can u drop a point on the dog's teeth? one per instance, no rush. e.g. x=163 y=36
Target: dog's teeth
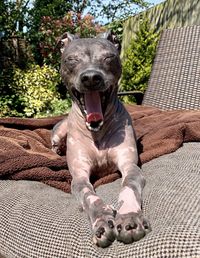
x=101 y=123
x=96 y=129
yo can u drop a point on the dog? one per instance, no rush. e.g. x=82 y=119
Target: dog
x=100 y=136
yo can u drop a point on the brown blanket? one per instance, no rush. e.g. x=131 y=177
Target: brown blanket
x=25 y=149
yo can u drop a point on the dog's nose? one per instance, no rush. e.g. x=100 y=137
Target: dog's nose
x=91 y=79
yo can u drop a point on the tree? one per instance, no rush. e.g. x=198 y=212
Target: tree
x=109 y=10
x=13 y=17
x=44 y=8
x=57 y=10
x=138 y=59
x=52 y=29
x=103 y=11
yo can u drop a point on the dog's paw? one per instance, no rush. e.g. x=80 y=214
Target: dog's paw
x=58 y=145
x=104 y=231
x=131 y=227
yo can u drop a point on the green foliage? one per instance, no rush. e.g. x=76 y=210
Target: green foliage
x=13 y=17
x=59 y=106
x=50 y=19
x=115 y=10
x=55 y=9
x=33 y=92
x=51 y=29
x=9 y=106
x=138 y=59
x=44 y=8
x=8 y=99
x=36 y=88
x=117 y=28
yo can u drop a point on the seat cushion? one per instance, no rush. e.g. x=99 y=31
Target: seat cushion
x=174 y=80
x=37 y=220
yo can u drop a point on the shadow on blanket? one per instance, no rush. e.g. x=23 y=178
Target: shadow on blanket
x=25 y=148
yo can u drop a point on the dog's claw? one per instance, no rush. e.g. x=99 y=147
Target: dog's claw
x=145 y=225
x=111 y=224
x=100 y=232
x=104 y=233
x=119 y=228
x=114 y=213
x=131 y=227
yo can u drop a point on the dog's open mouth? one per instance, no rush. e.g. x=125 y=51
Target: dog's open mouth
x=92 y=105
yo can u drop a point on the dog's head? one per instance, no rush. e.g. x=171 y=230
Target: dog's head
x=90 y=69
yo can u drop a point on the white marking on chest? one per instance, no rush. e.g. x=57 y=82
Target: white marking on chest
x=71 y=141
x=102 y=160
x=129 y=202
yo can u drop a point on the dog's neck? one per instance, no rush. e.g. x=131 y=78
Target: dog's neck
x=113 y=110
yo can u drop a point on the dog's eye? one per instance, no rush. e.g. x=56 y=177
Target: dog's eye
x=71 y=62
x=109 y=58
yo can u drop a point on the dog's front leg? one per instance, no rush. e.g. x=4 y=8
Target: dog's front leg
x=130 y=223
x=58 y=137
x=100 y=215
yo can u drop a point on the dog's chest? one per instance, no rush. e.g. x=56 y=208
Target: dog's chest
x=102 y=163
x=101 y=157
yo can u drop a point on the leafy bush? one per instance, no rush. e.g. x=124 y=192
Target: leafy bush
x=9 y=106
x=117 y=28
x=60 y=106
x=138 y=59
x=9 y=100
x=34 y=93
x=51 y=30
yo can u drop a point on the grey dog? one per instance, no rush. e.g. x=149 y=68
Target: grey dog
x=100 y=136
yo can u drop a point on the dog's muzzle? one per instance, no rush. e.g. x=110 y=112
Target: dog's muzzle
x=93 y=110
x=92 y=80
x=92 y=98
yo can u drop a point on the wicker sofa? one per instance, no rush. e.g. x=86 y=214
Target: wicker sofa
x=40 y=221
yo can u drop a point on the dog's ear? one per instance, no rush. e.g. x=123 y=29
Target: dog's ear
x=64 y=40
x=109 y=35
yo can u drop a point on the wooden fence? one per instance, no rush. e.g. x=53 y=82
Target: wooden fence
x=169 y=14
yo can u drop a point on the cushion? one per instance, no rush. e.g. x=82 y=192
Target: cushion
x=37 y=220
x=174 y=80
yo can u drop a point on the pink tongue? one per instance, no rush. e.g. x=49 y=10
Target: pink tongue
x=93 y=107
